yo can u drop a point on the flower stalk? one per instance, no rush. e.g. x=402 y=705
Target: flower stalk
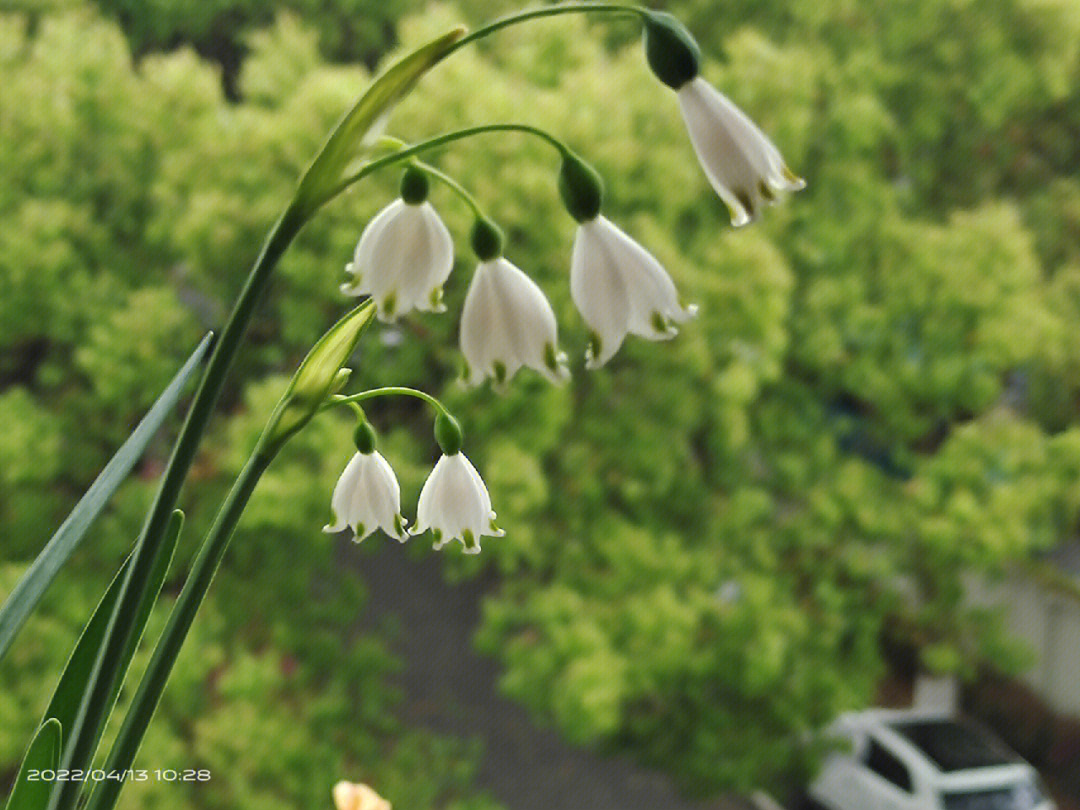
x=82 y=737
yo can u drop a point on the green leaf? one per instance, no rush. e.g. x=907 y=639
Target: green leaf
x=43 y=754
x=69 y=689
x=367 y=116
x=28 y=592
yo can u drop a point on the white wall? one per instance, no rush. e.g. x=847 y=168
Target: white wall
x=1050 y=623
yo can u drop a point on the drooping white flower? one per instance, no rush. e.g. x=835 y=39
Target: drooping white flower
x=619 y=288
x=404 y=256
x=507 y=323
x=454 y=503
x=367 y=497
x=742 y=164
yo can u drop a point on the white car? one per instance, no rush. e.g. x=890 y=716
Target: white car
x=912 y=760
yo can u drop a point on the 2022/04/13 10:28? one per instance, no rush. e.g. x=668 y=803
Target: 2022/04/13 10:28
x=130 y=775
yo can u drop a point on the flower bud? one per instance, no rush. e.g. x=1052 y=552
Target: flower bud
x=414 y=186
x=670 y=49
x=318 y=377
x=581 y=188
x=364 y=437
x=487 y=240
x=448 y=434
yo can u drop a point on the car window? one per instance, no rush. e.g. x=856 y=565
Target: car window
x=887 y=766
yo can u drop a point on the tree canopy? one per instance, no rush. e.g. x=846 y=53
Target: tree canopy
x=707 y=539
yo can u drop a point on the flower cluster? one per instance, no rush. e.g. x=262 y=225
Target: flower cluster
x=406 y=254
x=454 y=501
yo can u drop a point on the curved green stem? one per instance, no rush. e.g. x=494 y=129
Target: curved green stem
x=440 y=140
x=547 y=11
x=388 y=391
x=453 y=185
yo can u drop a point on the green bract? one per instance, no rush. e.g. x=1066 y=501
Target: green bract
x=581 y=188
x=318 y=376
x=448 y=434
x=486 y=239
x=414 y=186
x=671 y=51
x=364 y=437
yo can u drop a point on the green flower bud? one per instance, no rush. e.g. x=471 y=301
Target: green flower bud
x=448 y=434
x=670 y=49
x=581 y=188
x=320 y=375
x=414 y=186
x=364 y=437
x=487 y=240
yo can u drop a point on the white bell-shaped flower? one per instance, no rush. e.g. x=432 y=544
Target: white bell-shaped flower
x=742 y=164
x=403 y=258
x=454 y=503
x=619 y=288
x=507 y=323
x=367 y=497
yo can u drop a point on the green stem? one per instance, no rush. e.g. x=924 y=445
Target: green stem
x=437 y=141
x=388 y=391
x=82 y=736
x=453 y=185
x=547 y=11
x=206 y=564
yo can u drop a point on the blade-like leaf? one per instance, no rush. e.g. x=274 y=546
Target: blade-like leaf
x=366 y=117
x=43 y=754
x=69 y=689
x=28 y=592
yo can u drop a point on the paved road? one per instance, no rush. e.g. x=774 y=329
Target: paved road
x=451 y=689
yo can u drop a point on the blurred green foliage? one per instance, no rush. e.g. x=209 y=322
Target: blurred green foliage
x=706 y=540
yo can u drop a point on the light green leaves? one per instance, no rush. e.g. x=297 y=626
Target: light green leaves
x=365 y=120
x=32 y=586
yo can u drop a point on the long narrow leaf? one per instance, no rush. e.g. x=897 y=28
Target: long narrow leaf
x=69 y=689
x=28 y=592
x=43 y=754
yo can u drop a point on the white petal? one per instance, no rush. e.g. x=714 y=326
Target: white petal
x=620 y=287
x=508 y=321
x=381 y=496
x=599 y=293
x=483 y=337
x=362 y=257
x=454 y=502
x=404 y=254
x=653 y=299
x=367 y=497
x=741 y=163
x=424 y=506
x=385 y=497
x=340 y=502
x=440 y=260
